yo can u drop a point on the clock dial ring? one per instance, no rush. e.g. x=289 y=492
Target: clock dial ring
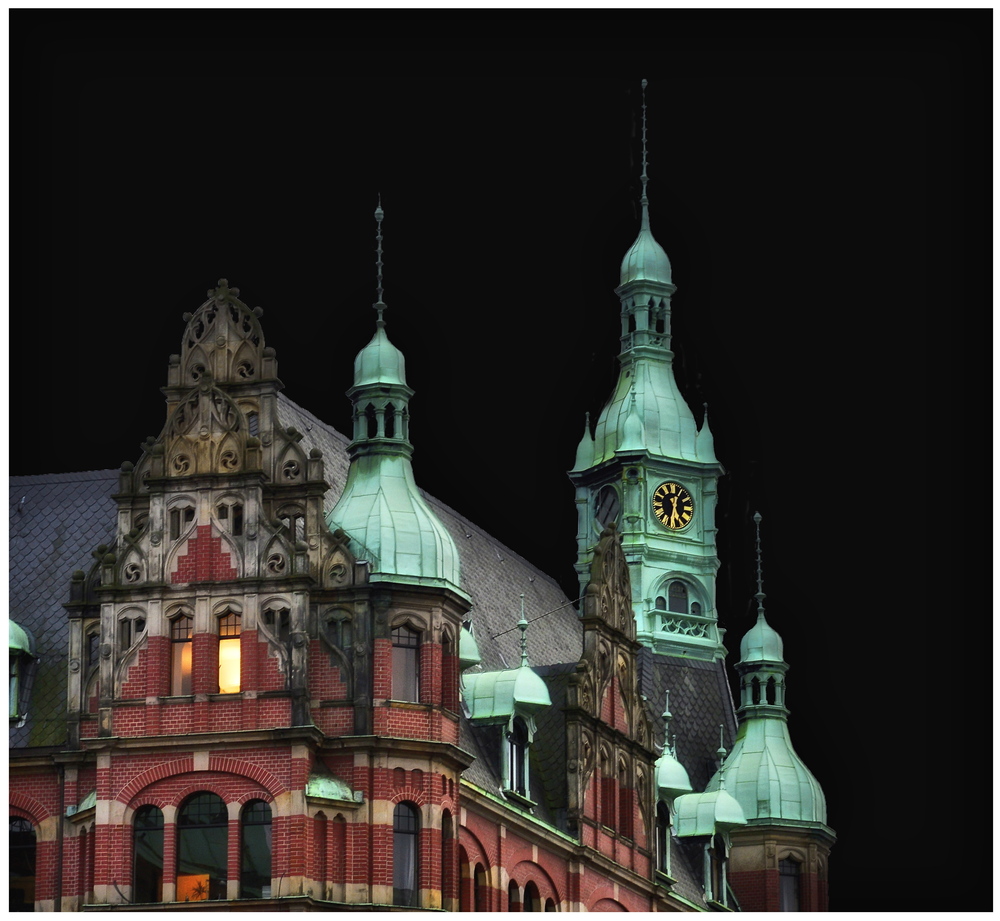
x=673 y=506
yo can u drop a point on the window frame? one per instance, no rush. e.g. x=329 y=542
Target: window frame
x=406 y=845
x=406 y=643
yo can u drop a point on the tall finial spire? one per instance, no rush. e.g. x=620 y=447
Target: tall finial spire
x=721 y=752
x=644 y=201
x=379 y=305
x=523 y=627
x=760 y=596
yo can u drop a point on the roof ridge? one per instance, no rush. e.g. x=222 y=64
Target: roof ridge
x=70 y=476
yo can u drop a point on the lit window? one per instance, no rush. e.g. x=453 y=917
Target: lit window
x=405 y=829
x=147 y=851
x=202 y=838
x=405 y=664
x=255 y=833
x=21 y=858
x=180 y=654
x=788 y=872
x=229 y=653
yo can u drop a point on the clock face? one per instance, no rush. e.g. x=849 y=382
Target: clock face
x=673 y=506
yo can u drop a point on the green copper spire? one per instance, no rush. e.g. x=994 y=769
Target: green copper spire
x=381 y=508
x=763 y=772
x=646 y=439
x=646 y=260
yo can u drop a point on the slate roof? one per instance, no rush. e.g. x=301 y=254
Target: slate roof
x=56 y=521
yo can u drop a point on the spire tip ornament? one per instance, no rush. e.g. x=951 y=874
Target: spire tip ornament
x=760 y=596
x=379 y=305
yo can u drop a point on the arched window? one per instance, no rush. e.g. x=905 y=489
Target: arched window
x=180 y=654
x=513 y=897
x=390 y=421
x=21 y=857
x=677 y=597
x=255 y=850
x=405 y=663
x=480 y=892
x=532 y=900
x=517 y=757
x=147 y=855
x=372 y=421
x=230 y=627
x=550 y=905
x=788 y=873
x=202 y=839
x=405 y=835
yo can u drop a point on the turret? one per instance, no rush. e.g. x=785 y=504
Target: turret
x=779 y=860
x=381 y=509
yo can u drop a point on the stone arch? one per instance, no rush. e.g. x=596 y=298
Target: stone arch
x=527 y=871
x=607 y=903
x=27 y=807
x=419 y=622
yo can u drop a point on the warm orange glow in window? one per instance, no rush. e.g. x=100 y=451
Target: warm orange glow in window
x=229 y=653
x=192 y=888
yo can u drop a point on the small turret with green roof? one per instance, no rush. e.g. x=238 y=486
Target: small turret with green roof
x=763 y=771
x=381 y=509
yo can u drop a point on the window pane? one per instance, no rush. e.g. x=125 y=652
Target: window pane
x=404 y=855
x=405 y=664
x=180 y=668
x=202 y=838
x=255 y=865
x=229 y=665
x=147 y=864
x=678 y=595
x=22 y=865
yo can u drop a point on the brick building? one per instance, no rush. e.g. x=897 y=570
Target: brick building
x=260 y=669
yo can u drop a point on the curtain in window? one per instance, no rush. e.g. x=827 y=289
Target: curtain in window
x=405 y=826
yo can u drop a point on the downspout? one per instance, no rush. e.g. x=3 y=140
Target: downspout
x=59 y=837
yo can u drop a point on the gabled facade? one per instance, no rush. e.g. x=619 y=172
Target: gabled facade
x=260 y=669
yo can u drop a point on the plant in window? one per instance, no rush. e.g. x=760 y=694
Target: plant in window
x=202 y=848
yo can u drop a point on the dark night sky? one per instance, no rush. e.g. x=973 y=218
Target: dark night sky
x=819 y=181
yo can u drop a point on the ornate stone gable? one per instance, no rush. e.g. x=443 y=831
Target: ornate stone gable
x=609 y=735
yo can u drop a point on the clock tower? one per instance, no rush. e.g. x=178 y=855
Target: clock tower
x=649 y=467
